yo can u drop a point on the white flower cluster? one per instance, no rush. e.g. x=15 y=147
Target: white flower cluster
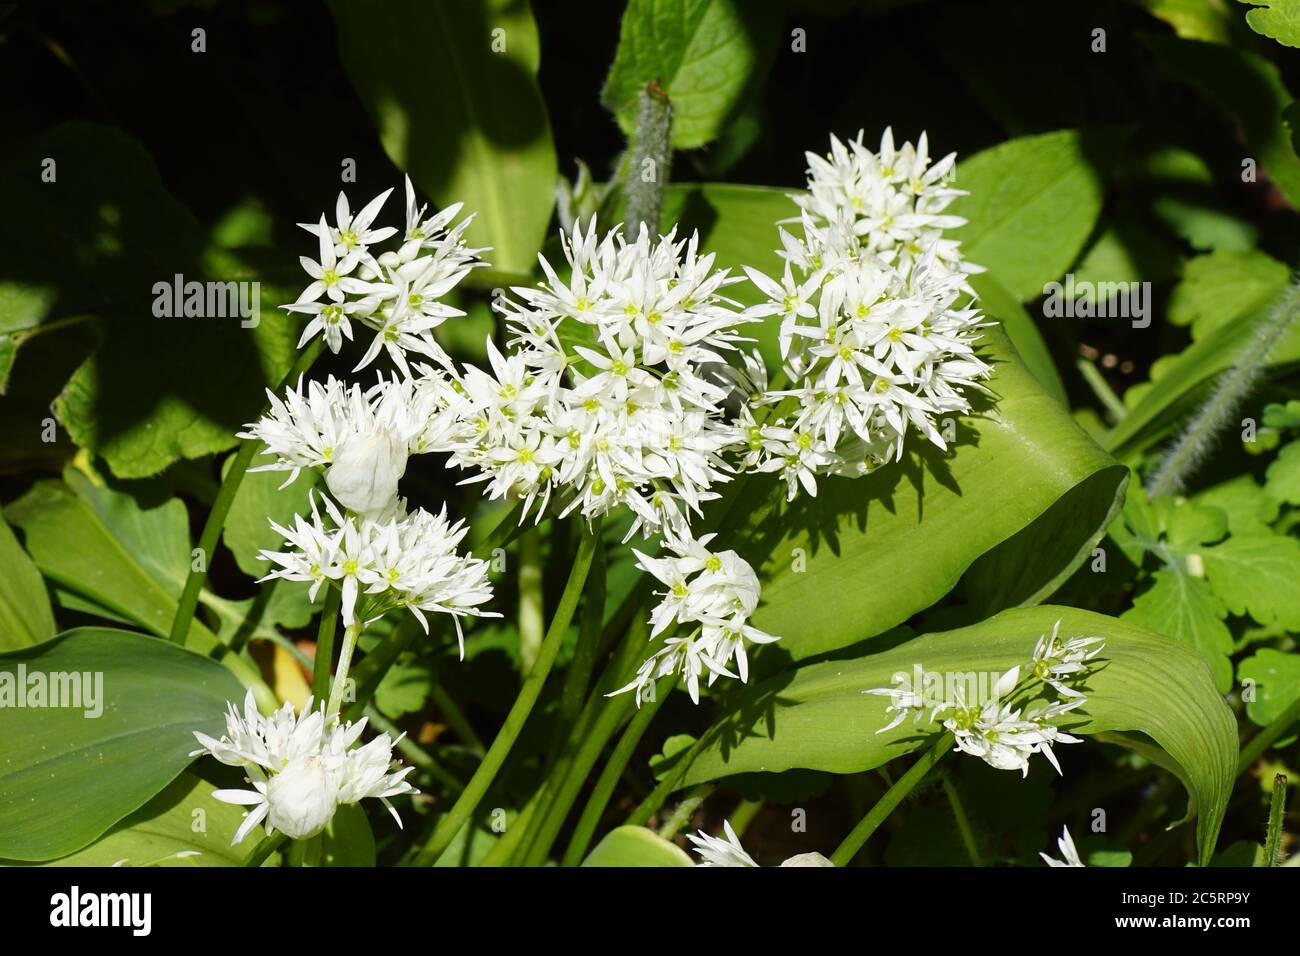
x=712 y=593
x=717 y=851
x=302 y=768
x=877 y=331
x=613 y=391
x=397 y=293
x=394 y=559
x=999 y=733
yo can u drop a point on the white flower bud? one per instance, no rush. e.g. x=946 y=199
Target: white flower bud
x=302 y=798
x=364 y=473
x=808 y=859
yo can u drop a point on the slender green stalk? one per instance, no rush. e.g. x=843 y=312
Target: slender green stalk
x=744 y=814
x=648 y=165
x=1101 y=388
x=686 y=810
x=1276 y=811
x=264 y=849
x=324 y=663
x=877 y=815
x=350 y=635
x=578 y=676
x=609 y=776
x=652 y=803
x=1222 y=408
x=532 y=620
x=212 y=528
x=963 y=822
x=478 y=786
x=1267 y=737
x=455 y=719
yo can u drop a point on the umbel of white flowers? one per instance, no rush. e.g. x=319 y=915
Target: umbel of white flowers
x=302 y=767
x=995 y=730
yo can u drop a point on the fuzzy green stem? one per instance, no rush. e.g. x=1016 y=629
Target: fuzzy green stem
x=1276 y=811
x=609 y=776
x=868 y=825
x=487 y=771
x=350 y=635
x=686 y=810
x=1224 y=403
x=216 y=521
x=963 y=822
x=648 y=167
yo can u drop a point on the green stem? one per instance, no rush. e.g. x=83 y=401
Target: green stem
x=651 y=804
x=350 y=635
x=686 y=810
x=609 y=776
x=532 y=617
x=455 y=718
x=324 y=663
x=963 y=822
x=578 y=677
x=469 y=799
x=1267 y=737
x=1101 y=388
x=648 y=167
x=265 y=849
x=744 y=814
x=370 y=672
x=221 y=507
x=868 y=825
x=1276 y=810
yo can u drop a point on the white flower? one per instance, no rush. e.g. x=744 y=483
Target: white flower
x=366 y=468
x=903 y=700
x=720 y=851
x=1056 y=661
x=301 y=768
x=1068 y=852
x=712 y=592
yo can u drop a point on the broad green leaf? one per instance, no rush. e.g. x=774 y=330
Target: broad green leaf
x=183 y=819
x=106 y=550
x=1248 y=506
x=1222 y=286
x=87 y=766
x=1283 y=477
x=25 y=615
x=1247 y=88
x=1021 y=475
x=259 y=501
x=636 y=846
x=1032 y=204
x=1193 y=19
x=1279 y=19
x=1256 y=574
x=703 y=54
x=1127 y=252
x=1187 y=609
x=451 y=86
x=1000 y=304
x=817 y=717
x=1277 y=683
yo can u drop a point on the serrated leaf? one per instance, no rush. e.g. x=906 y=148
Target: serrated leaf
x=1223 y=286
x=451 y=86
x=1283 y=477
x=1279 y=19
x=1248 y=506
x=404 y=689
x=817 y=717
x=1256 y=574
x=703 y=53
x=1277 y=683
x=1188 y=610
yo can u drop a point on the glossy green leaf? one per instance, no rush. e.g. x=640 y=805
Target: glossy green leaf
x=1024 y=492
x=139 y=701
x=1256 y=574
x=1223 y=286
x=1032 y=204
x=703 y=53
x=183 y=819
x=636 y=846
x=817 y=717
x=25 y=615
x=1279 y=19
x=1277 y=683
x=451 y=86
x=1283 y=477
x=1000 y=304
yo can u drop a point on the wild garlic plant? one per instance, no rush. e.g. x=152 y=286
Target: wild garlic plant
x=623 y=385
